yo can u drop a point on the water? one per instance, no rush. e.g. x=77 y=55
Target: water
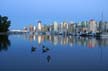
x=24 y=52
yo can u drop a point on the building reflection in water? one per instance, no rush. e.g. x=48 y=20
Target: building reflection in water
x=89 y=42
x=32 y=37
x=4 y=42
x=39 y=39
x=92 y=43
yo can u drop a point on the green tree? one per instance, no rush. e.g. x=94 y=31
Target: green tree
x=4 y=24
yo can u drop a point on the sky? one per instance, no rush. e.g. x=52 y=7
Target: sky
x=25 y=12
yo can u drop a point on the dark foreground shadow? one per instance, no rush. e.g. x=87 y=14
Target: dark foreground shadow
x=4 y=42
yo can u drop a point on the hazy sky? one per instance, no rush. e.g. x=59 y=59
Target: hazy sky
x=25 y=12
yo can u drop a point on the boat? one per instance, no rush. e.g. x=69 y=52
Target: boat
x=98 y=34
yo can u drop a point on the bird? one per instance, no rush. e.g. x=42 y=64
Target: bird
x=45 y=49
x=33 y=49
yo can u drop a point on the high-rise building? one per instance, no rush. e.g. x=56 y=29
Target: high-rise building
x=92 y=26
x=106 y=26
x=71 y=27
x=31 y=28
x=61 y=27
x=65 y=27
x=34 y=28
x=77 y=27
x=103 y=26
x=55 y=26
x=39 y=26
x=84 y=26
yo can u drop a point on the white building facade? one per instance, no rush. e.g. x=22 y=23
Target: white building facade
x=92 y=26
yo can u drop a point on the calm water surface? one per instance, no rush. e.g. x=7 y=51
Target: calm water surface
x=43 y=52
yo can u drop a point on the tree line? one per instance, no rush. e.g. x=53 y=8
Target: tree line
x=4 y=24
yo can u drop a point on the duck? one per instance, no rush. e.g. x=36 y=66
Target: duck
x=33 y=49
x=45 y=49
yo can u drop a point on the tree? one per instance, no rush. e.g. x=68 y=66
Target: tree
x=4 y=24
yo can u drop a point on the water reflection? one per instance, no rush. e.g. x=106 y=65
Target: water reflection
x=46 y=51
x=89 y=42
x=48 y=58
x=4 y=42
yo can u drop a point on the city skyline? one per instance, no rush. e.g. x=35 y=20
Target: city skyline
x=23 y=13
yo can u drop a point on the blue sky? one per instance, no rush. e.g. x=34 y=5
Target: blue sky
x=25 y=12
